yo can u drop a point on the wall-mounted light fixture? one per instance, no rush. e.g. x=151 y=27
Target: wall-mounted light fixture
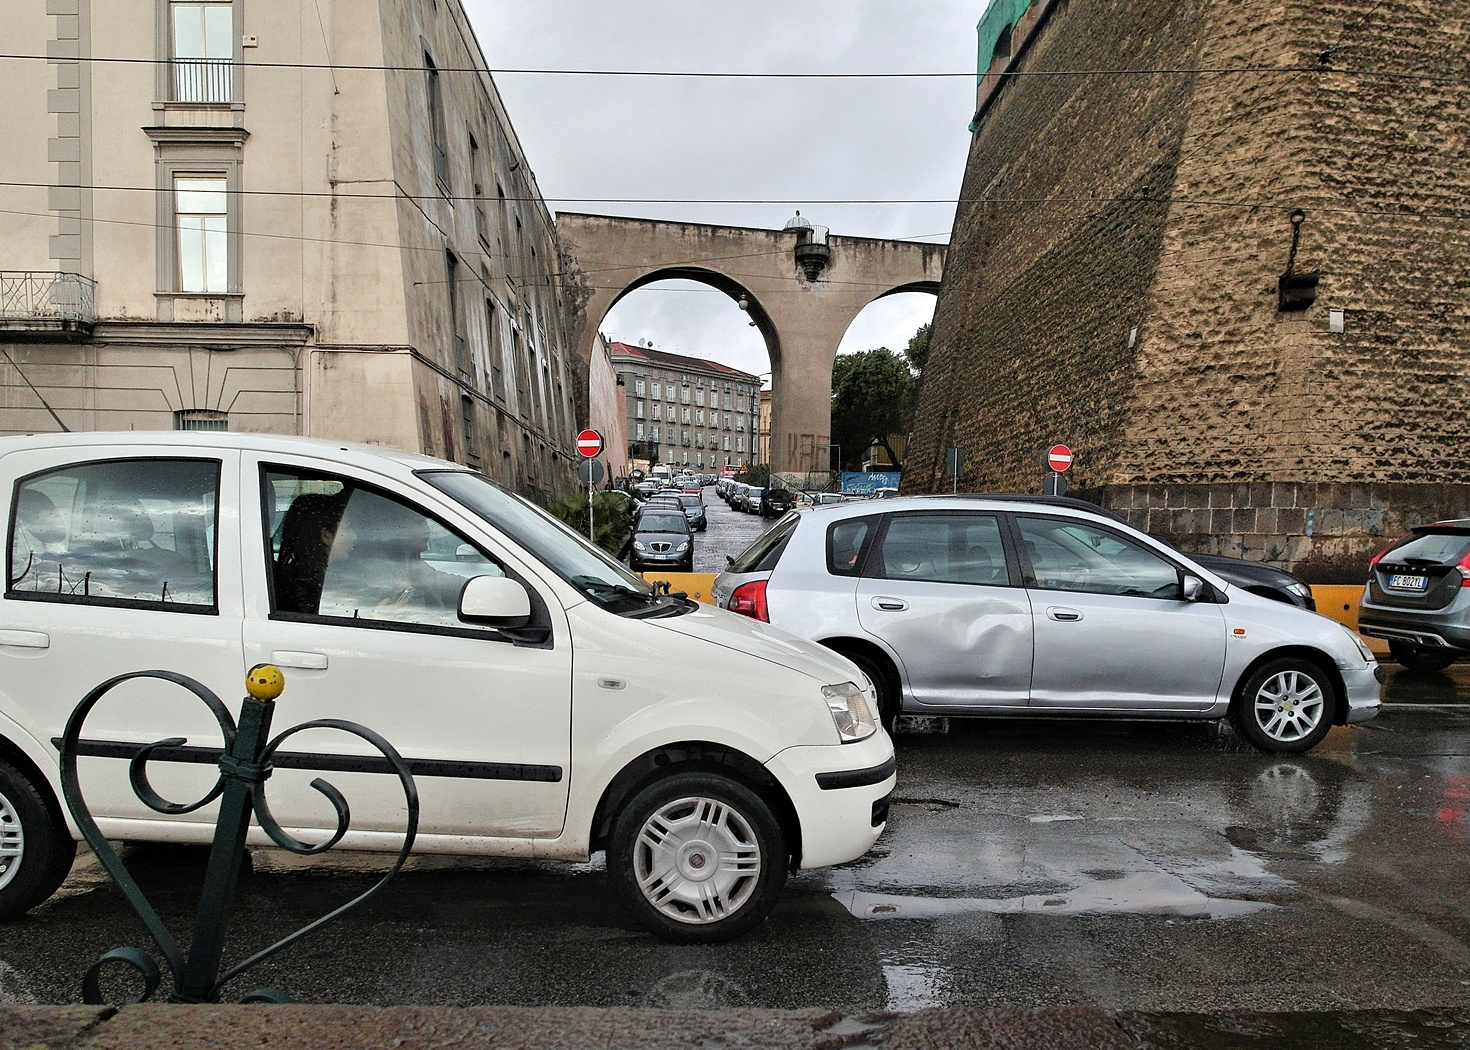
x=1336 y=320
x=1296 y=291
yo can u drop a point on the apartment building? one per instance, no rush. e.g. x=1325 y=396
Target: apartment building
x=687 y=411
x=299 y=219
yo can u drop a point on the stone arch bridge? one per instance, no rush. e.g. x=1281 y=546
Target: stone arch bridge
x=803 y=289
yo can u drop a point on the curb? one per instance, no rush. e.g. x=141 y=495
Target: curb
x=166 y=1027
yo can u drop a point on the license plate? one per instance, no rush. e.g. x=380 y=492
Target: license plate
x=1409 y=583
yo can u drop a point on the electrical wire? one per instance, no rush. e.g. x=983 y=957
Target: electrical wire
x=695 y=74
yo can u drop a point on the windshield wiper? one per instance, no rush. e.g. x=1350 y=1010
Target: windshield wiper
x=592 y=583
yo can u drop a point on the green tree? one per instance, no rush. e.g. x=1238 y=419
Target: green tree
x=614 y=517
x=918 y=349
x=755 y=474
x=872 y=398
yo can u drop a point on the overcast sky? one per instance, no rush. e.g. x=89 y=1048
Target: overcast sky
x=763 y=140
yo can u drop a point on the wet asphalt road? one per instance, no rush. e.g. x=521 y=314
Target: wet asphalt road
x=1124 y=865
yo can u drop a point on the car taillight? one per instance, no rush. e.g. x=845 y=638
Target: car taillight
x=1464 y=567
x=749 y=599
x=1373 y=561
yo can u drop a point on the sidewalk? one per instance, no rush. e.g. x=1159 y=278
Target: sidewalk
x=163 y=1027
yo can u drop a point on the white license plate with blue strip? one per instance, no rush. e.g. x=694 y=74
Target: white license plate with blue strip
x=1408 y=583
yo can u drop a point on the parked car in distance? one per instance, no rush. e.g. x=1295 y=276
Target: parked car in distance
x=693 y=507
x=662 y=539
x=885 y=493
x=1418 y=596
x=437 y=609
x=1259 y=578
x=775 y=502
x=750 y=498
x=1017 y=605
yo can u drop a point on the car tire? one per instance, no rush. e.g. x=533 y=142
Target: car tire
x=36 y=850
x=1285 y=706
x=660 y=850
x=1416 y=659
x=888 y=700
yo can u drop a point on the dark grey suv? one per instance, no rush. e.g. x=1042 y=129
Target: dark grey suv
x=1418 y=596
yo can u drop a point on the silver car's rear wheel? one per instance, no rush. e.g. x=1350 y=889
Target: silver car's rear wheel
x=1285 y=706
x=12 y=842
x=697 y=856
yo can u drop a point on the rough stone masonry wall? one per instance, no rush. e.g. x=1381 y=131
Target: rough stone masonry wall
x=1363 y=433
x=1055 y=248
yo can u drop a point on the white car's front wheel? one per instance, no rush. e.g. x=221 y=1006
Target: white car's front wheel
x=697 y=857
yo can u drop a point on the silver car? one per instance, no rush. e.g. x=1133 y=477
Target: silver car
x=1017 y=606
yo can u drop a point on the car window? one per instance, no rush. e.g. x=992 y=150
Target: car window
x=765 y=552
x=1442 y=548
x=845 y=541
x=942 y=548
x=344 y=551
x=122 y=531
x=1073 y=556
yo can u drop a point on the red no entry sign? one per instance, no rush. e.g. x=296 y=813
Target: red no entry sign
x=589 y=444
x=1059 y=457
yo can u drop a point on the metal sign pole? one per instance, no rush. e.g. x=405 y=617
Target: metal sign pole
x=591 y=525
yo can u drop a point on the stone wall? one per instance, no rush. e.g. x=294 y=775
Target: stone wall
x=1194 y=178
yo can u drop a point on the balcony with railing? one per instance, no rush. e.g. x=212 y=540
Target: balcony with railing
x=203 y=80
x=38 y=304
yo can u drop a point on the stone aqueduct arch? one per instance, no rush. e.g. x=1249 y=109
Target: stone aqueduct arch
x=605 y=258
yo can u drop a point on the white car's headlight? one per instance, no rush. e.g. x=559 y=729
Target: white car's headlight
x=850 y=711
x=637 y=545
x=681 y=548
x=1358 y=641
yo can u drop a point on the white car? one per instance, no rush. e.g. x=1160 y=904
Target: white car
x=522 y=673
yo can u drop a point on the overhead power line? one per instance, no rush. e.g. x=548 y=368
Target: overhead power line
x=697 y=74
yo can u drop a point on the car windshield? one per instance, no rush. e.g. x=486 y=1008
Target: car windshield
x=558 y=547
x=656 y=522
x=691 y=501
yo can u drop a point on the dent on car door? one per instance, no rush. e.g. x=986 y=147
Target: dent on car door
x=353 y=590
x=1112 y=630
x=122 y=564
x=938 y=589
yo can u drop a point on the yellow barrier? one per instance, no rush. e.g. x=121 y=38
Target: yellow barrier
x=697 y=585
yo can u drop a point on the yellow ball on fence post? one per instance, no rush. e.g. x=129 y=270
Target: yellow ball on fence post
x=264 y=681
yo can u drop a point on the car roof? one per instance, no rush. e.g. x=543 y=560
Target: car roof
x=968 y=500
x=357 y=453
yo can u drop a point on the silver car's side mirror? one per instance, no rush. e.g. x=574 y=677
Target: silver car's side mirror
x=1192 y=588
x=495 y=601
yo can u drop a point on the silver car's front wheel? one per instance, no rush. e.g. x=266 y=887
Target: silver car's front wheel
x=697 y=856
x=12 y=842
x=1285 y=705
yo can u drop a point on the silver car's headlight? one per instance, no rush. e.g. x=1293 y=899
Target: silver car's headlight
x=1300 y=589
x=1358 y=641
x=637 y=545
x=850 y=711
x=681 y=548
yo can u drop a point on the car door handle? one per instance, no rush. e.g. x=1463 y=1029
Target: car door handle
x=890 y=604
x=1065 y=615
x=301 y=661
x=26 y=639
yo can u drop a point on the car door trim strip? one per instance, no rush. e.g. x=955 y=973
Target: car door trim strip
x=852 y=778
x=316 y=760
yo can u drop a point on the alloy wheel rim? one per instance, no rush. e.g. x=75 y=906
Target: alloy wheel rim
x=12 y=842
x=697 y=860
x=1289 y=706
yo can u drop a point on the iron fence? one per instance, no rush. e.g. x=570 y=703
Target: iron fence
x=27 y=295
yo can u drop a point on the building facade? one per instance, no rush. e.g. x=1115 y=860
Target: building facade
x=686 y=411
x=607 y=408
x=1238 y=295
x=302 y=220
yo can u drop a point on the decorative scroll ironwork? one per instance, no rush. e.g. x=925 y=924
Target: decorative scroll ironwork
x=30 y=295
x=240 y=787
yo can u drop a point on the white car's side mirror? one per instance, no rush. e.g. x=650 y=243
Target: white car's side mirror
x=495 y=601
x=1192 y=588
